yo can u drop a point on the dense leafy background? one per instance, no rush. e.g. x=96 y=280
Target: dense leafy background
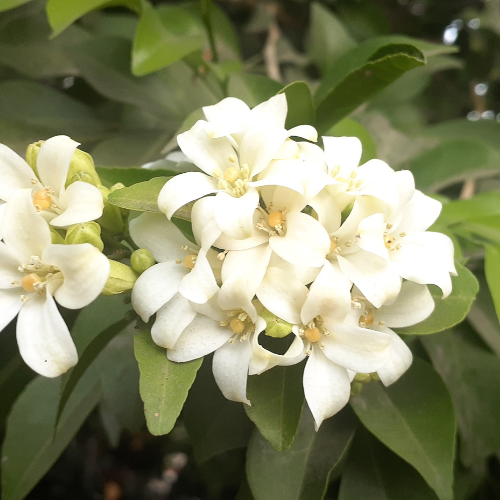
x=123 y=77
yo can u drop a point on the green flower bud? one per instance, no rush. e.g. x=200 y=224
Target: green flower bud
x=82 y=168
x=111 y=219
x=32 y=154
x=363 y=378
x=121 y=278
x=141 y=260
x=356 y=388
x=276 y=327
x=374 y=376
x=57 y=239
x=118 y=185
x=86 y=232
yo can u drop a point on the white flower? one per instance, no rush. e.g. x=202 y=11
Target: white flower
x=80 y=202
x=333 y=345
x=183 y=272
x=232 y=162
x=33 y=272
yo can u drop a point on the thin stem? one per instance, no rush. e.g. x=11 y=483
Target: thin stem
x=207 y=19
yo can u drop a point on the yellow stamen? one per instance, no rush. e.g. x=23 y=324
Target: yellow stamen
x=275 y=219
x=189 y=261
x=231 y=174
x=28 y=282
x=312 y=334
x=389 y=242
x=333 y=245
x=367 y=319
x=237 y=325
x=42 y=200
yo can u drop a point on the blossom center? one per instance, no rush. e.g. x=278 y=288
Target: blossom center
x=42 y=199
x=29 y=281
x=240 y=324
x=275 y=219
x=234 y=180
x=190 y=261
x=389 y=242
x=312 y=334
x=237 y=325
x=366 y=319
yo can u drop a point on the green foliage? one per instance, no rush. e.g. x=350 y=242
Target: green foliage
x=141 y=197
x=416 y=420
x=492 y=270
x=164 y=384
x=451 y=310
x=300 y=105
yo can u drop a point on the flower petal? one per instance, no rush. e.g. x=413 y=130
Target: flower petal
x=9 y=263
x=329 y=214
x=83 y=203
x=155 y=287
x=171 y=320
x=359 y=349
x=326 y=386
x=199 y=285
x=282 y=294
x=10 y=305
x=304 y=274
x=271 y=112
x=344 y=152
x=202 y=336
x=235 y=295
x=53 y=161
x=235 y=215
x=85 y=270
x=419 y=214
x=227 y=117
x=205 y=227
x=44 y=340
x=160 y=236
x=14 y=172
x=399 y=362
x=230 y=367
x=307 y=132
x=371 y=235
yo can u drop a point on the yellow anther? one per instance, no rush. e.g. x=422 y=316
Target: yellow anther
x=275 y=219
x=389 y=242
x=232 y=158
x=28 y=282
x=237 y=325
x=333 y=245
x=189 y=261
x=367 y=319
x=231 y=174
x=42 y=199
x=312 y=334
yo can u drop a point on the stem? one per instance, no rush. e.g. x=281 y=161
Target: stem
x=207 y=20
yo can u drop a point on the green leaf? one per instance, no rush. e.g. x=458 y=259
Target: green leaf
x=303 y=471
x=129 y=176
x=454 y=161
x=372 y=472
x=141 y=197
x=487 y=203
x=221 y=426
x=351 y=128
x=492 y=271
x=359 y=75
x=11 y=4
x=472 y=375
x=450 y=311
x=252 y=89
x=164 y=384
x=414 y=418
x=62 y=13
x=164 y=36
x=190 y=120
x=300 y=105
x=30 y=448
x=328 y=39
x=428 y=49
x=277 y=398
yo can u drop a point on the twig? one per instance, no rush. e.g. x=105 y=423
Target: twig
x=270 y=52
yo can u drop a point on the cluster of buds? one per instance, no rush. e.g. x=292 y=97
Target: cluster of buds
x=292 y=241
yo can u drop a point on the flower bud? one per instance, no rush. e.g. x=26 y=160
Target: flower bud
x=32 y=154
x=362 y=378
x=111 y=219
x=57 y=239
x=276 y=327
x=86 y=232
x=356 y=388
x=141 y=260
x=121 y=278
x=82 y=168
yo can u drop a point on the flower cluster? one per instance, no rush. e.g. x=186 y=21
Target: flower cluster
x=46 y=206
x=292 y=241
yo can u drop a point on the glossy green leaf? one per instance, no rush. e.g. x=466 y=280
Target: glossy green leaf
x=62 y=13
x=164 y=384
x=141 y=197
x=30 y=448
x=328 y=38
x=359 y=75
x=163 y=37
x=301 y=472
x=252 y=89
x=11 y=4
x=428 y=49
x=454 y=161
x=472 y=375
x=372 y=472
x=457 y=211
x=450 y=311
x=221 y=426
x=129 y=176
x=492 y=271
x=300 y=105
x=351 y=128
x=414 y=417
x=277 y=398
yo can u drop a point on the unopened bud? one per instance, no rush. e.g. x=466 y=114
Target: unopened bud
x=121 y=279
x=111 y=219
x=141 y=260
x=57 y=239
x=32 y=154
x=82 y=168
x=362 y=378
x=86 y=232
x=276 y=327
x=356 y=388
